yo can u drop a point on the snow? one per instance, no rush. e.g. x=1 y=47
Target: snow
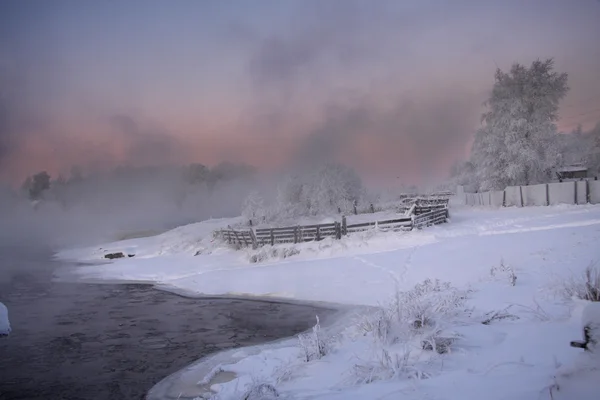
x=4 y=323
x=182 y=240
x=524 y=353
x=591 y=316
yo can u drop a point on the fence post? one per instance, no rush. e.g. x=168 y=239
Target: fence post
x=547 y=194
x=254 y=241
x=344 y=226
x=237 y=238
x=338 y=231
x=587 y=191
x=272 y=237
x=575 y=187
x=318 y=232
x=504 y=198
x=295 y=234
x=355 y=211
x=521 y=195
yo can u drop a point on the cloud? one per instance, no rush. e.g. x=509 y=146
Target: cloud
x=147 y=145
x=355 y=66
x=411 y=136
x=347 y=33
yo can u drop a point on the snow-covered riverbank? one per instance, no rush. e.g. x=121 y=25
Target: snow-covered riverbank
x=498 y=304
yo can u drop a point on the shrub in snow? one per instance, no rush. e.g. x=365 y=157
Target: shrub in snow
x=271 y=252
x=261 y=391
x=426 y=309
x=258 y=390
x=313 y=343
x=585 y=287
x=505 y=271
x=412 y=329
x=388 y=365
x=498 y=316
x=435 y=341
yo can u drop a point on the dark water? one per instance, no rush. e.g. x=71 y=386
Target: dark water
x=93 y=341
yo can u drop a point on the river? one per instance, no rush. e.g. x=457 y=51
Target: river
x=115 y=341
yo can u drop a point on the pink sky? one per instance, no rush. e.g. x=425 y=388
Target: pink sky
x=392 y=88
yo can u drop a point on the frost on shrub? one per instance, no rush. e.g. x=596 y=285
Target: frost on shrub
x=585 y=286
x=415 y=323
x=499 y=316
x=504 y=270
x=428 y=306
x=261 y=391
x=257 y=390
x=313 y=344
x=388 y=365
x=271 y=252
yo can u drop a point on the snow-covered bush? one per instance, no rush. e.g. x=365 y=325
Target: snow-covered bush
x=257 y=390
x=313 y=344
x=261 y=391
x=504 y=270
x=427 y=308
x=584 y=287
x=271 y=253
x=414 y=327
x=388 y=365
x=499 y=315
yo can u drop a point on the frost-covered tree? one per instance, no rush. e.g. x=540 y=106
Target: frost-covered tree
x=321 y=190
x=463 y=174
x=335 y=186
x=517 y=145
x=195 y=174
x=253 y=207
x=292 y=197
x=36 y=185
x=592 y=158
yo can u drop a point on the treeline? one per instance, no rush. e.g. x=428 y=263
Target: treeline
x=91 y=207
x=176 y=183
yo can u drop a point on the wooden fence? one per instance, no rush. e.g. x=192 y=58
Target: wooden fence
x=400 y=224
x=298 y=234
x=421 y=214
x=433 y=217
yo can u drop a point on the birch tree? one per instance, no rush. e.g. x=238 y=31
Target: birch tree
x=517 y=145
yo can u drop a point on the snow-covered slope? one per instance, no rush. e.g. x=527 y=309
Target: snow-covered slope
x=187 y=239
x=4 y=323
x=510 y=331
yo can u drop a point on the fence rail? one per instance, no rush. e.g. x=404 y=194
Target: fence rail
x=388 y=225
x=433 y=217
x=422 y=213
